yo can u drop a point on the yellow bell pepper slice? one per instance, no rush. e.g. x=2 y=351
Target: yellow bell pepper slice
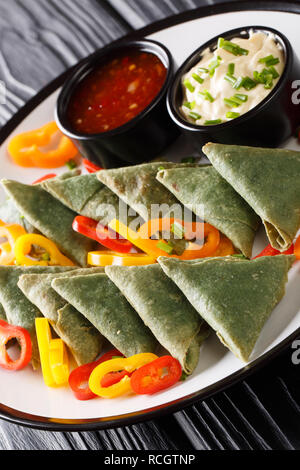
x=24 y=244
x=147 y=245
x=106 y=258
x=53 y=355
x=11 y=232
x=59 y=361
x=25 y=148
x=129 y=364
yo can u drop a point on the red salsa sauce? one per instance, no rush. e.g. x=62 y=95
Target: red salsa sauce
x=116 y=92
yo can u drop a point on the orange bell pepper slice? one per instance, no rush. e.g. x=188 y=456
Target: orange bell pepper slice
x=225 y=248
x=142 y=240
x=25 y=151
x=110 y=258
x=297 y=248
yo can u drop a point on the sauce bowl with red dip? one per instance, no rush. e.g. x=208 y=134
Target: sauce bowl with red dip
x=113 y=106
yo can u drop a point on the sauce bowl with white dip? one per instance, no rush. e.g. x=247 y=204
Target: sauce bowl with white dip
x=237 y=89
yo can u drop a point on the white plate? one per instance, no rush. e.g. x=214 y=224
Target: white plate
x=23 y=396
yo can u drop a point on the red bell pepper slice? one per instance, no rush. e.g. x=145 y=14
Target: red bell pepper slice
x=113 y=377
x=270 y=251
x=7 y=333
x=44 y=178
x=90 y=166
x=156 y=376
x=79 y=377
x=103 y=235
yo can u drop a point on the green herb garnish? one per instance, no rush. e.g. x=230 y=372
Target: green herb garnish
x=183 y=377
x=189 y=86
x=189 y=104
x=178 y=230
x=232 y=115
x=194 y=116
x=239 y=256
x=161 y=168
x=203 y=70
x=71 y=164
x=230 y=78
x=230 y=70
x=213 y=122
x=248 y=83
x=231 y=47
x=232 y=103
x=46 y=257
x=236 y=100
x=241 y=97
x=162 y=245
x=197 y=78
x=213 y=65
x=269 y=60
x=207 y=96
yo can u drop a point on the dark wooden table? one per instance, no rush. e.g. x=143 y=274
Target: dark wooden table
x=38 y=40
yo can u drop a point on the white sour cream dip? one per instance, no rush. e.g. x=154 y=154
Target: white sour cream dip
x=262 y=62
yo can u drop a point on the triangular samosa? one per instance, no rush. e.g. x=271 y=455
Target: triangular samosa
x=19 y=310
x=269 y=180
x=51 y=218
x=87 y=196
x=2 y=313
x=234 y=296
x=10 y=214
x=138 y=187
x=99 y=300
x=212 y=199
x=84 y=341
x=164 y=309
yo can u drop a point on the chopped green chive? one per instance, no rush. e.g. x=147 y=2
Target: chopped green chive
x=248 y=83
x=183 y=377
x=213 y=65
x=197 y=78
x=238 y=84
x=162 y=245
x=229 y=46
x=269 y=60
x=273 y=71
x=194 y=116
x=161 y=168
x=236 y=100
x=188 y=160
x=265 y=77
x=46 y=257
x=241 y=97
x=178 y=230
x=203 y=70
x=232 y=103
x=232 y=115
x=207 y=96
x=188 y=85
x=71 y=164
x=189 y=104
x=213 y=122
x=230 y=70
x=230 y=78
x=239 y=256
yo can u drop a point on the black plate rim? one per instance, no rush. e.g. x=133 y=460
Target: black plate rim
x=77 y=425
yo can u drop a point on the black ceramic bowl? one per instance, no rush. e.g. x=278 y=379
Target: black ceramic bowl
x=268 y=124
x=140 y=139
